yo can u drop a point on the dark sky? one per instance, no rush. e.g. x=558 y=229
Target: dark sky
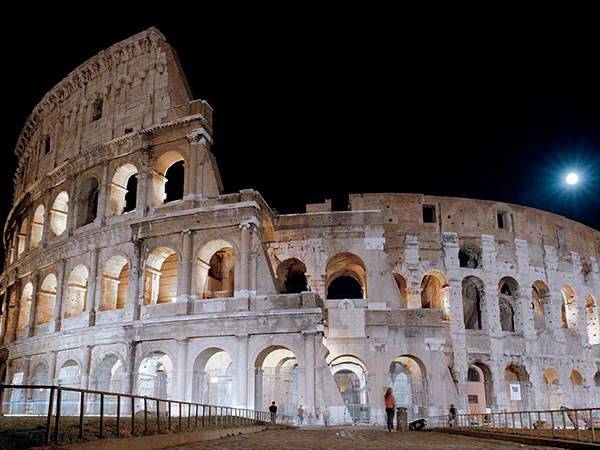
x=309 y=111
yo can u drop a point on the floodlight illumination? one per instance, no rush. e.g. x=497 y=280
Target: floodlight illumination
x=572 y=178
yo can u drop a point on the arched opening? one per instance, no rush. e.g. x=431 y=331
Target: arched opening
x=578 y=393
x=409 y=385
x=434 y=292
x=76 y=291
x=551 y=391
x=70 y=376
x=472 y=295
x=160 y=276
x=276 y=378
x=508 y=291
x=516 y=382
x=215 y=267
x=17 y=398
x=87 y=202
x=345 y=277
x=591 y=314
x=114 y=284
x=569 y=309
x=540 y=295
x=59 y=213
x=350 y=376
x=37 y=227
x=168 y=178
x=25 y=307
x=155 y=373
x=469 y=257
x=213 y=378
x=21 y=238
x=402 y=288
x=39 y=397
x=291 y=276
x=46 y=299
x=479 y=388
x=123 y=190
x=596 y=389
x=109 y=376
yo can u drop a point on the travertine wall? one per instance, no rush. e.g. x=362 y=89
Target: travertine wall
x=213 y=297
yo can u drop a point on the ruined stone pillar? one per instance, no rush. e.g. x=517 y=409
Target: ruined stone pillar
x=243 y=371
x=184 y=288
x=413 y=300
x=72 y=209
x=129 y=378
x=525 y=313
x=93 y=291
x=490 y=310
x=244 y=286
x=34 y=300
x=103 y=196
x=46 y=229
x=135 y=286
x=181 y=364
x=144 y=190
x=59 y=307
x=4 y=319
x=200 y=141
x=309 y=371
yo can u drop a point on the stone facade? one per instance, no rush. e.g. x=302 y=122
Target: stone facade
x=110 y=284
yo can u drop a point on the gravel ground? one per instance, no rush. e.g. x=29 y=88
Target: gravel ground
x=353 y=439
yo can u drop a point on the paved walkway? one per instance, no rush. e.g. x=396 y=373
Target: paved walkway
x=353 y=438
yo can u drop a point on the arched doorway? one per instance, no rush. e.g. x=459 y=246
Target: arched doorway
x=114 y=283
x=578 y=392
x=39 y=397
x=350 y=376
x=70 y=376
x=472 y=294
x=155 y=373
x=213 y=378
x=345 y=277
x=551 y=391
x=569 y=308
x=516 y=382
x=508 y=291
x=109 y=377
x=408 y=380
x=479 y=388
x=291 y=276
x=434 y=292
x=215 y=270
x=276 y=378
x=540 y=296
x=160 y=276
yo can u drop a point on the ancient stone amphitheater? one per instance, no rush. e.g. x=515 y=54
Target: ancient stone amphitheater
x=128 y=269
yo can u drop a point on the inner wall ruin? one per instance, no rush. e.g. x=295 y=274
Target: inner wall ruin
x=117 y=278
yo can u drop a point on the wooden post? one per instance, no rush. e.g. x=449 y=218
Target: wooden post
x=49 y=419
x=81 y=414
x=57 y=418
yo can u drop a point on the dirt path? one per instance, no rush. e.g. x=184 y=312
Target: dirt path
x=353 y=439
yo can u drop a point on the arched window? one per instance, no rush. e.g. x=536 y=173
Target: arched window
x=215 y=270
x=551 y=391
x=115 y=280
x=540 y=295
x=569 y=309
x=213 y=378
x=472 y=294
x=469 y=257
x=87 y=204
x=346 y=277
x=21 y=238
x=593 y=326
x=434 y=292
x=59 y=213
x=402 y=287
x=168 y=178
x=37 y=226
x=46 y=299
x=123 y=190
x=76 y=291
x=160 y=276
x=291 y=276
x=508 y=291
x=408 y=381
x=350 y=376
x=516 y=382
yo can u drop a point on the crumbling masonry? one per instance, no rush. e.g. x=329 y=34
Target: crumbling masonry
x=212 y=297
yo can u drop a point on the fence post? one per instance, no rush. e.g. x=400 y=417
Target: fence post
x=49 y=420
x=132 y=416
x=180 y=413
x=592 y=426
x=101 y=414
x=552 y=419
x=145 y=415
x=81 y=413
x=189 y=416
x=169 y=416
x=118 y=414
x=576 y=424
x=564 y=421
x=196 y=426
x=57 y=418
x=157 y=416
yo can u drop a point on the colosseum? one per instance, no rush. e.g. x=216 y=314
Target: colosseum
x=129 y=269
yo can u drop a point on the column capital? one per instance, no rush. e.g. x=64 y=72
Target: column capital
x=199 y=136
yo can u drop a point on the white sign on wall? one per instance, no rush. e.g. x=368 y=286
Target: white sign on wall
x=515 y=392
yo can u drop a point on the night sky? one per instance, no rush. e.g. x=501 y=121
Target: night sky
x=305 y=112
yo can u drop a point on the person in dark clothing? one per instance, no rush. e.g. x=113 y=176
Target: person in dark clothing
x=273 y=411
x=452 y=416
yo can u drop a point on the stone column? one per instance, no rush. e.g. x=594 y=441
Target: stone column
x=243 y=371
x=182 y=351
x=144 y=190
x=200 y=141
x=71 y=217
x=135 y=287
x=130 y=369
x=184 y=288
x=28 y=231
x=103 y=196
x=46 y=230
x=413 y=300
x=93 y=290
x=4 y=320
x=244 y=285
x=490 y=309
x=309 y=371
x=34 y=300
x=59 y=306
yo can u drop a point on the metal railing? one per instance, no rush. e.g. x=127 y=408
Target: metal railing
x=578 y=424
x=113 y=412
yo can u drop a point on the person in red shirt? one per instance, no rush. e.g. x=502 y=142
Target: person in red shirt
x=390 y=403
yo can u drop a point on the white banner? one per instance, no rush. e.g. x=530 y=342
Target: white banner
x=515 y=392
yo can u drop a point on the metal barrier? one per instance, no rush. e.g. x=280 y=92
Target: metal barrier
x=582 y=425
x=60 y=402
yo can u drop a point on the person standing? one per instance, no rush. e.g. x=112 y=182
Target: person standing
x=452 y=416
x=273 y=411
x=300 y=415
x=390 y=404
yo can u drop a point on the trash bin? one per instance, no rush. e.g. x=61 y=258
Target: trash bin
x=401 y=419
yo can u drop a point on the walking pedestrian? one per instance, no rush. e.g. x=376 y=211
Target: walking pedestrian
x=300 y=415
x=273 y=411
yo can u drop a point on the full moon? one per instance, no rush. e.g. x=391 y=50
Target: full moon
x=572 y=178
